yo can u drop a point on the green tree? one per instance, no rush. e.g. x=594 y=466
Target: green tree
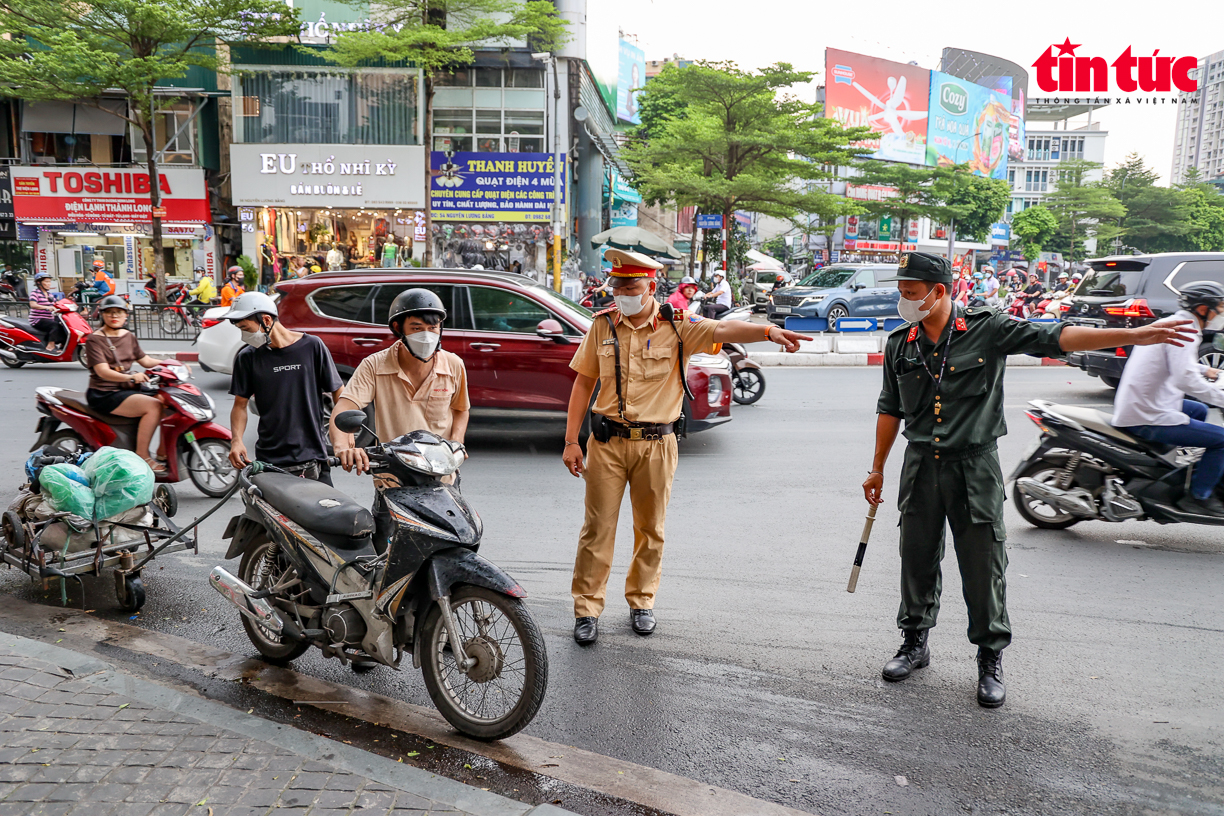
x=978 y=202
x=919 y=192
x=1032 y=229
x=438 y=36
x=1157 y=219
x=725 y=139
x=1205 y=206
x=1084 y=209
x=776 y=247
x=71 y=51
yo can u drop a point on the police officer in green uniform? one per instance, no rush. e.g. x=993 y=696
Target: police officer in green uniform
x=943 y=376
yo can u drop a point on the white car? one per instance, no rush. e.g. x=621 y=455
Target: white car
x=218 y=342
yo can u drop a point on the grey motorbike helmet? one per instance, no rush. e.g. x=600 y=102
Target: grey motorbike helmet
x=1201 y=293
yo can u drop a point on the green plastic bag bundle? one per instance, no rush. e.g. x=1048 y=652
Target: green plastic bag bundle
x=66 y=488
x=121 y=480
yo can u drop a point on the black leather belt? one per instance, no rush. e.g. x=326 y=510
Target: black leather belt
x=637 y=432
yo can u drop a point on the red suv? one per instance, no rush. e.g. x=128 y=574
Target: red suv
x=515 y=336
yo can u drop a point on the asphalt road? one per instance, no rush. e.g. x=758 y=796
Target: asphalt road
x=764 y=674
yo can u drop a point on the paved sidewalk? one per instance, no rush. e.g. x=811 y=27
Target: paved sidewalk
x=79 y=737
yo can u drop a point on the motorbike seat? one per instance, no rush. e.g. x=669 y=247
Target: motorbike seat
x=331 y=516
x=24 y=325
x=1099 y=421
x=76 y=401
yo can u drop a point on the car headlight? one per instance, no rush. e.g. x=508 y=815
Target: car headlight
x=715 y=361
x=811 y=299
x=715 y=391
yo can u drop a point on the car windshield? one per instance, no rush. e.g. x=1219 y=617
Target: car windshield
x=768 y=277
x=828 y=278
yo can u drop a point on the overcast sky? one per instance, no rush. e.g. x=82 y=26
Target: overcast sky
x=765 y=31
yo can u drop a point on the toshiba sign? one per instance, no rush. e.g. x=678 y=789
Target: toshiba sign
x=101 y=195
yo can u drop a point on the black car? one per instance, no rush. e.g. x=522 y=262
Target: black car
x=1132 y=290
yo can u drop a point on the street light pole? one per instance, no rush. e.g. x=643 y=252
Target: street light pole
x=550 y=61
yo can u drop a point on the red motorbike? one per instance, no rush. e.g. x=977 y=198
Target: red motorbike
x=194 y=444
x=21 y=343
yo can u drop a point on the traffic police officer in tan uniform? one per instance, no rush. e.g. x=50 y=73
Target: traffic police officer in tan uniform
x=943 y=376
x=637 y=353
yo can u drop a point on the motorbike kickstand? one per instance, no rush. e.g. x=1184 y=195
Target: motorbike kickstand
x=452 y=632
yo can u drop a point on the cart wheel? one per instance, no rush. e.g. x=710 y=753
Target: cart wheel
x=14 y=531
x=132 y=595
x=165 y=498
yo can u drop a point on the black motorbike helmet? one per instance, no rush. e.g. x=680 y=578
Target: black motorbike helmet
x=1201 y=293
x=413 y=302
x=113 y=302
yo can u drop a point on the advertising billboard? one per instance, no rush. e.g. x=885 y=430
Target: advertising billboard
x=107 y=195
x=969 y=124
x=889 y=97
x=493 y=186
x=629 y=79
x=1015 y=134
x=328 y=175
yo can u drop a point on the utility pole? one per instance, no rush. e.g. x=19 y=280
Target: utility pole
x=550 y=61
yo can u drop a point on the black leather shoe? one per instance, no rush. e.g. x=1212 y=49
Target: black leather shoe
x=643 y=621
x=1210 y=506
x=991 y=692
x=913 y=654
x=586 y=630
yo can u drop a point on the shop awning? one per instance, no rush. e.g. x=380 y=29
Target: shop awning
x=74 y=117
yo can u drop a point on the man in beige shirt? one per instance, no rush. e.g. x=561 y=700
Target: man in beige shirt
x=636 y=352
x=414 y=384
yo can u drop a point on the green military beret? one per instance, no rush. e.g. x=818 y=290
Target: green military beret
x=922 y=266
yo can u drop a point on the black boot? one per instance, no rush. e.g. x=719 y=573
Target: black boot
x=913 y=654
x=991 y=692
x=586 y=630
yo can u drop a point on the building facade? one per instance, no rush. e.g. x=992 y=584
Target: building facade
x=1198 y=140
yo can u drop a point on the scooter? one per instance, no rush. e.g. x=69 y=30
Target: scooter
x=1081 y=467
x=196 y=447
x=747 y=378
x=317 y=570
x=21 y=343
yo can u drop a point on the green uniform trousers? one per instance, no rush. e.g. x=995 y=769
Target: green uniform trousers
x=963 y=490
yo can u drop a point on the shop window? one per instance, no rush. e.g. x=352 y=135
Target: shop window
x=174 y=134
x=500 y=310
x=488 y=121
x=448 y=120
x=327 y=106
x=524 y=78
x=350 y=303
x=387 y=293
x=459 y=78
x=488 y=144
x=526 y=123
x=459 y=144
x=488 y=78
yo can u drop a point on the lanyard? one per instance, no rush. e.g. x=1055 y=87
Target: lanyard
x=947 y=347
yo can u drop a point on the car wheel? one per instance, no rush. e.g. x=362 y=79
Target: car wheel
x=1212 y=358
x=1112 y=382
x=836 y=314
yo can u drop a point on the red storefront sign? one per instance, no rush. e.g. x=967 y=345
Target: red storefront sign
x=881 y=246
x=102 y=195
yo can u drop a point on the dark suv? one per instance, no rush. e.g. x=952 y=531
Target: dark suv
x=1131 y=290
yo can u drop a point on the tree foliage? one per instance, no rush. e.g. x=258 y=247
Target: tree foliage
x=440 y=35
x=1157 y=219
x=1031 y=229
x=1084 y=209
x=724 y=139
x=72 y=51
x=978 y=202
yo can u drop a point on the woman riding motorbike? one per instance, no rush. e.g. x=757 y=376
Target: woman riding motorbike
x=109 y=354
x=42 y=318
x=683 y=296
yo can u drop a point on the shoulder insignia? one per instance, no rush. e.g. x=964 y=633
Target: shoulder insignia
x=605 y=311
x=678 y=316
x=961 y=325
x=913 y=334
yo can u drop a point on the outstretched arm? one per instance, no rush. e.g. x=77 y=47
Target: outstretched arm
x=740 y=331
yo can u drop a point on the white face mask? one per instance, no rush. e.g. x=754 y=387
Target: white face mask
x=422 y=344
x=911 y=311
x=255 y=339
x=1216 y=323
x=629 y=305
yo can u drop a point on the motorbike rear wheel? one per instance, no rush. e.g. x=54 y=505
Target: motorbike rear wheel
x=67 y=441
x=263 y=566
x=79 y=356
x=747 y=386
x=12 y=362
x=1036 y=512
x=502 y=692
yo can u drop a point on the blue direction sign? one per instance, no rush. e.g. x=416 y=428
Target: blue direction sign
x=709 y=221
x=855 y=324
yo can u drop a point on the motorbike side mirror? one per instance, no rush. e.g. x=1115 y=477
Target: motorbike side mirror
x=551 y=329
x=350 y=422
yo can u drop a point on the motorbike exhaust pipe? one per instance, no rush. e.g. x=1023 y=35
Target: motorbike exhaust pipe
x=1056 y=497
x=238 y=592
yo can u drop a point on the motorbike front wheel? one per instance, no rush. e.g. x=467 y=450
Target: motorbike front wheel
x=1035 y=511
x=172 y=322
x=213 y=475
x=501 y=693
x=264 y=565
x=747 y=386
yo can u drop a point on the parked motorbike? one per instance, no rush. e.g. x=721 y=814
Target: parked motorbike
x=196 y=447
x=315 y=571
x=1082 y=468
x=178 y=316
x=8 y=292
x=21 y=343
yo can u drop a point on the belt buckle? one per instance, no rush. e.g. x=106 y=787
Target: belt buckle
x=635 y=434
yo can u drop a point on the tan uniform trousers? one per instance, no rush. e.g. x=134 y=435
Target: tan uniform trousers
x=647 y=466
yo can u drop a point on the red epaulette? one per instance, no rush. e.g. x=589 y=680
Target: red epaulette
x=605 y=311
x=913 y=334
x=961 y=325
x=678 y=315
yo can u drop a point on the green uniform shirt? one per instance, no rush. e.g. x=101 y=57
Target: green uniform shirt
x=970 y=397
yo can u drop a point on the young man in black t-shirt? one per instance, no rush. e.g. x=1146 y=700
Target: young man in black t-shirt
x=287 y=373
